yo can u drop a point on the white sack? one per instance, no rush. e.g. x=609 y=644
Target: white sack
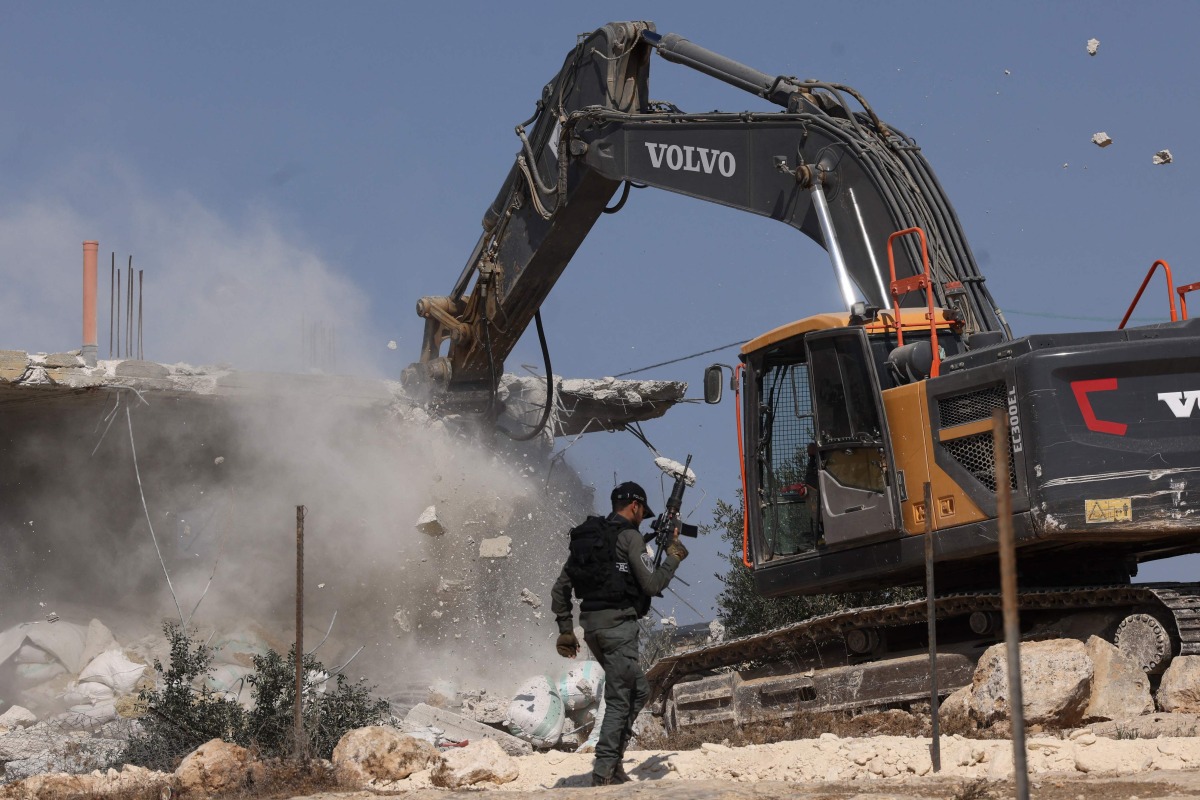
x=536 y=713
x=112 y=669
x=581 y=686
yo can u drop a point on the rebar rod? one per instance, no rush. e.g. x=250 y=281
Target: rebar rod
x=935 y=746
x=1008 y=592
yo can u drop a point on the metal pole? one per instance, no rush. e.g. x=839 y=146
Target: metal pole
x=112 y=296
x=832 y=245
x=118 y=313
x=140 y=352
x=935 y=747
x=129 y=310
x=298 y=716
x=1008 y=592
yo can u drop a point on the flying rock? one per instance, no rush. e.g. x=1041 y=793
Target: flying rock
x=1162 y=157
x=1093 y=45
x=499 y=547
x=428 y=522
x=1101 y=139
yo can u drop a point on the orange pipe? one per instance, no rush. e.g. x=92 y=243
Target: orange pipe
x=90 y=343
x=737 y=410
x=1170 y=293
x=920 y=281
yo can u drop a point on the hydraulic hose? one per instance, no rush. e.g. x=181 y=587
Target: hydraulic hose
x=525 y=437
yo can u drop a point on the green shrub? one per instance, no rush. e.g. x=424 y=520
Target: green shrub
x=179 y=718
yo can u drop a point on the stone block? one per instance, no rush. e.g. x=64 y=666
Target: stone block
x=458 y=728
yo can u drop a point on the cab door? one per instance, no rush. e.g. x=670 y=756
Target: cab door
x=858 y=493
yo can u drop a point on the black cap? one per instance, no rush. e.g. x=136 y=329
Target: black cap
x=626 y=493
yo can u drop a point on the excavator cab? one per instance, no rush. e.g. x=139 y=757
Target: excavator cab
x=817 y=451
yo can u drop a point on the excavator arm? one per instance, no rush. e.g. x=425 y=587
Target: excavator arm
x=826 y=165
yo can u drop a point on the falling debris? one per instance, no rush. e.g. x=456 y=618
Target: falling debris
x=1065 y=165
x=716 y=632
x=1093 y=45
x=1008 y=72
x=499 y=547
x=428 y=522
x=674 y=469
x=219 y=460
x=392 y=345
x=1163 y=157
x=1101 y=139
x=320 y=586
x=52 y=617
x=530 y=599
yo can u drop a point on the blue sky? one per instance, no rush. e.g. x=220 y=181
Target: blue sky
x=241 y=150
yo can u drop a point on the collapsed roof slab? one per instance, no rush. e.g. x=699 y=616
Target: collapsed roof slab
x=583 y=405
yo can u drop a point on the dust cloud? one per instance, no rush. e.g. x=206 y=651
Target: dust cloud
x=221 y=477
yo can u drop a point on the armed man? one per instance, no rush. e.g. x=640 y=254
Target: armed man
x=614 y=577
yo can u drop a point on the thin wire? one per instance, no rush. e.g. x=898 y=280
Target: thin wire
x=153 y=537
x=318 y=647
x=681 y=358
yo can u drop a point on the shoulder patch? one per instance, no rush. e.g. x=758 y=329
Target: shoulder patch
x=648 y=561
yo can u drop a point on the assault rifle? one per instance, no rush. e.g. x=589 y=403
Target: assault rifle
x=664 y=528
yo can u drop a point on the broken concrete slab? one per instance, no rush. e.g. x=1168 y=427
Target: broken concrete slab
x=498 y=547
x=457 y=727
x=1101 y=139
x=428 y=523
x=141 y=369
x=1093 y=46
x=1162 y=157
x=530 y=599
x=64 y=360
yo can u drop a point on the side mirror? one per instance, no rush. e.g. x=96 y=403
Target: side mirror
x=714 y=384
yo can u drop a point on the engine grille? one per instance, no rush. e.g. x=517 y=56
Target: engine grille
x=976 y=455
x=972 y=406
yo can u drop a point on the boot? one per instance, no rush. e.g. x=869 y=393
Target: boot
x=600 y=780
x=620 y=775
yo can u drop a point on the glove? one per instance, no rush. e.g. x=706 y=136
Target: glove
x=677 y=549
x=567 y=645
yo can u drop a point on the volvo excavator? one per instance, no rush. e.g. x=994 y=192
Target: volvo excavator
x=845 y=418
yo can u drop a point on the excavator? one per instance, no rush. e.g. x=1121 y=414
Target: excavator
x=867 y=431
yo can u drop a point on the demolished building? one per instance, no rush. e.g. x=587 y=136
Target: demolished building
x=137 y=493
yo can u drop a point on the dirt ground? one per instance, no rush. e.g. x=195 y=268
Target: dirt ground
x=1160 y=785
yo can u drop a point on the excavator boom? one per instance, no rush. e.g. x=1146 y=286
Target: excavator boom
x=831 y=169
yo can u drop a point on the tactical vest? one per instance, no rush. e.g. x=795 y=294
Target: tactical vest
x=597 y=578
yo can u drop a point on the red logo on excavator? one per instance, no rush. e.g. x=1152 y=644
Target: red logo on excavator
x=1082 y=389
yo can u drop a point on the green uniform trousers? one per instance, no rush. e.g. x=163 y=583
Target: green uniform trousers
x=625 y=691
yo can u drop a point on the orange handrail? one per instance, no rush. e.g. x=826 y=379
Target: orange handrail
x=1170 y=292
x=1182 y=291
x=919 y=281
x=737 y=409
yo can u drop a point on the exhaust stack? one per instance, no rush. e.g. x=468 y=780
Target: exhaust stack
x=90 y=345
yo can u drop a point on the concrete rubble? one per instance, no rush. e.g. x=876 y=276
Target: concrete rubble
x=456 y=728
x=1179 y=690
x=1162 y=157
x=1101 y=139
x=379 y=753
x=1093 y=46
x=478 y=762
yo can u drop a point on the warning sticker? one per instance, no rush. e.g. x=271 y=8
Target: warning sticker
x=1117 y=509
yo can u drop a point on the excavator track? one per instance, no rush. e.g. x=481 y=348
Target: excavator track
x=1163 y=620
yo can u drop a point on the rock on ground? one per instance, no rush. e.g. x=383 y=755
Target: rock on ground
x=483 y=761
x=130 y=781
x=1179 y=689
x=379 y=753
x=1056 y=678
x=16 y=717
x=1120 y=688
x=216 y=768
